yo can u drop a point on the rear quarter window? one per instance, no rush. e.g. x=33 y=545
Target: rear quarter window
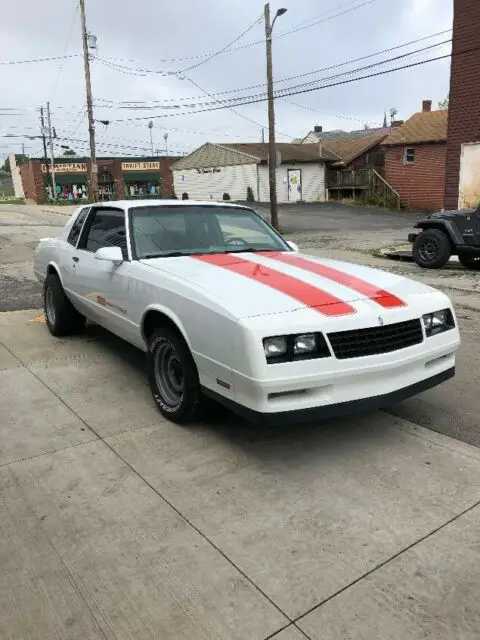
x=77 y=227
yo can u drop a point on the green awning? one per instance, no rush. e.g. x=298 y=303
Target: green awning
x=69 y=178
x=141 y=176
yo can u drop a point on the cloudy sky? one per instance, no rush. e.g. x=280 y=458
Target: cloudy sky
x=138 y=38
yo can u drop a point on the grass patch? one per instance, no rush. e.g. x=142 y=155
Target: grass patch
x=12 y=201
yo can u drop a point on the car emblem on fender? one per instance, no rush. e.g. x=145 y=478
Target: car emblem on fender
x=380 y=321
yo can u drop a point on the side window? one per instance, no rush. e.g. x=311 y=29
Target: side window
x=105 y=228
x=77 y=227
x=409 y=155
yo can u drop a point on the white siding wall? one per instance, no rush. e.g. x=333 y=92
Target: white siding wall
x=313 y=182
x=233 y=180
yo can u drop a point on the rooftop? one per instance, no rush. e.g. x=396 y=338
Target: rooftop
x=425 y=126
x=347 y=150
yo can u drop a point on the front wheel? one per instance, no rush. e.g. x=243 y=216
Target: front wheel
x=60 y=315
x=173 y=377
x=431 y=249
x=469 y=262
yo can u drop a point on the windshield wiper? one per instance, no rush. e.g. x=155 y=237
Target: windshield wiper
x=249 y=250
x=172 y=254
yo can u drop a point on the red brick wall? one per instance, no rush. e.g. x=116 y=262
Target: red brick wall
x=421 y=184
x=464 y=107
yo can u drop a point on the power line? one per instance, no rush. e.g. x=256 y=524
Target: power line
x=230 y=102
x=309 y=90
x=60 y=68
x=262 y=126
x=301 y=27
x=72 y=55
x=256 y=86
x=228 y=46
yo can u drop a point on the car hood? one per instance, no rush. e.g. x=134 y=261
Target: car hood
x=447 y=215
x=254 y=284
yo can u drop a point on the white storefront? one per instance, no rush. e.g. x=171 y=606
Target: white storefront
x=212 y=171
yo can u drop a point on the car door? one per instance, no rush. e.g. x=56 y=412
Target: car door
x=67 y=250
x=101 y=286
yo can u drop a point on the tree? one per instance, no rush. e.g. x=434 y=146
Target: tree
x=69 y=152
x=20 y=159
x=443 y=104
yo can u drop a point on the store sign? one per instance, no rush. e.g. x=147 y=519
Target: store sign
x=67 y=167
x=140 y=166
x=212 y=170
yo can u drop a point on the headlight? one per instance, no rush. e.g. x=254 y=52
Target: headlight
x=304 y=346
x=438 y=322
x=275 y=347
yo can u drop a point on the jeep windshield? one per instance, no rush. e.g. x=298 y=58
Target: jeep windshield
x=180 y=230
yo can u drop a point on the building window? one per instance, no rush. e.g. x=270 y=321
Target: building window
x=409 y=155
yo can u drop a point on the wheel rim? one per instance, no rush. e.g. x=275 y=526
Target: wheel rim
x=50 y=305
x=429 y=249
x=169 y=375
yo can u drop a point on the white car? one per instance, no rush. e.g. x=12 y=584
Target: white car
x=226 y=308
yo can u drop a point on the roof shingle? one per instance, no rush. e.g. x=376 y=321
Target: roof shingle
x=347 y=150
x=425 y=126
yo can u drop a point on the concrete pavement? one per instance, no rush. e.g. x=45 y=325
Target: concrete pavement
x=118 y=524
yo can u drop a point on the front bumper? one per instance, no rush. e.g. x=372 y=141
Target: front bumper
x=326 y=412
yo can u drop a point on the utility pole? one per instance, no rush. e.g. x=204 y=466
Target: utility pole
x=91 y=124
x=45 y=155
x=263 y=135
x=150 y=126
x=272 y=156
x=52 y=158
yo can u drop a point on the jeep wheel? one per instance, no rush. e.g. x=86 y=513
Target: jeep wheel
x=173 y=377
x=431 y=249
x=60 y=315
x=469 y=262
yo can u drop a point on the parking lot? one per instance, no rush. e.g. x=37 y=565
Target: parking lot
x=117 y=524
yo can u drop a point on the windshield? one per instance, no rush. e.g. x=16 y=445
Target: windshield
x=160 y=231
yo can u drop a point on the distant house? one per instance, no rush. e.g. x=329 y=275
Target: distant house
x=415 y=156
x=237 y=169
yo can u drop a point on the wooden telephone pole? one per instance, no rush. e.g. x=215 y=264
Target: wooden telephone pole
x=91 y=123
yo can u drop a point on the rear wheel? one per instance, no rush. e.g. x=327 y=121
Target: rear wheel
x=173 y=377
x=61 y=317
x=469 y=262
x=431 y=249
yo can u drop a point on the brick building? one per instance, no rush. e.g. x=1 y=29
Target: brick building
x=415 y=156
x=464 y=107
x=118 y=178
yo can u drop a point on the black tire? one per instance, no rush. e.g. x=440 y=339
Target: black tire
x=469 y=262
x=432 y=249
x=173 y=377
x=61 y=316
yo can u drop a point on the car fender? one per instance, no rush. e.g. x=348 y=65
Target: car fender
x=171 y=315
x=447 y=225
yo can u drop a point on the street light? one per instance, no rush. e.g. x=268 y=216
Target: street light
x=272 y=159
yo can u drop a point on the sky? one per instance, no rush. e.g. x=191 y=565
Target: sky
x=145 y=51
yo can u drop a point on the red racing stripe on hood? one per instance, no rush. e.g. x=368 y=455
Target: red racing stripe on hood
x=380 y=296
x=305 y=293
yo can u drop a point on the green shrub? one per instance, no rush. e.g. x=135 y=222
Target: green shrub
x=226 y=196
x=250 y=196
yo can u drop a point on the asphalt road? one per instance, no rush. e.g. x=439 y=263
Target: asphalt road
x=346 y=232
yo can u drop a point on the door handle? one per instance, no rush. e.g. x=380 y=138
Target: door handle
x=75 y=259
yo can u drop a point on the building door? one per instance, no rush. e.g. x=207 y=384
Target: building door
x=469 y=181
x=106 y=186
x=294 y=185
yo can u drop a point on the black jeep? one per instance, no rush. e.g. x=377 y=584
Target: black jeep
x=447 y=233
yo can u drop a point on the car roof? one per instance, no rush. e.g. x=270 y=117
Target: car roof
x=130 y=204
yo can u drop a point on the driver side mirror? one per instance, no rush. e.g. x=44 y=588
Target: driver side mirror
x=293 y=246
x=110 y=254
